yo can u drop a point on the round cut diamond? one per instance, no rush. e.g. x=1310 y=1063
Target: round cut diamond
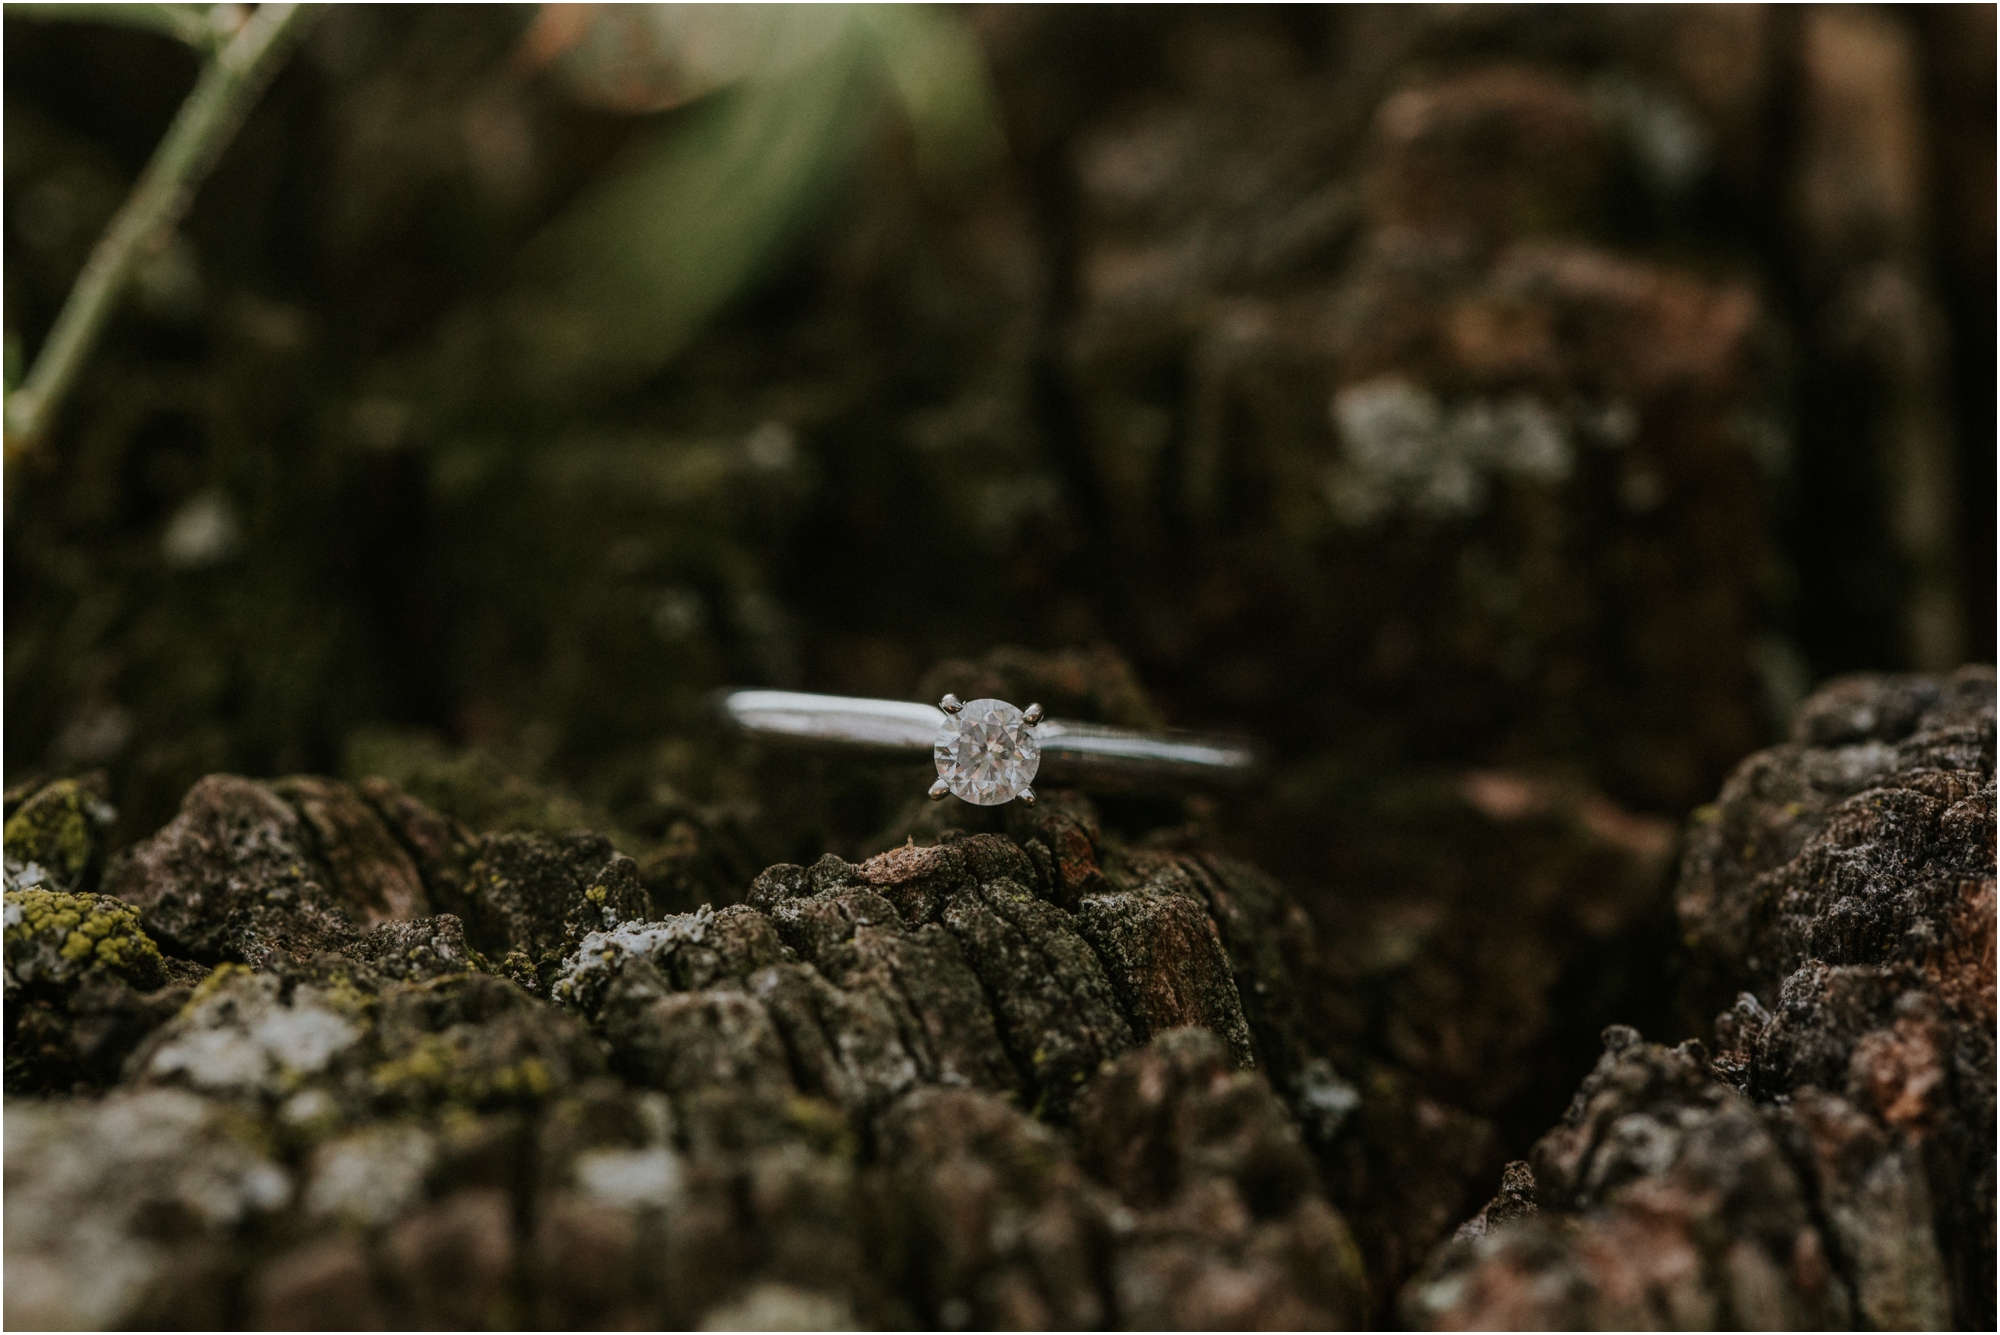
x=986 y=753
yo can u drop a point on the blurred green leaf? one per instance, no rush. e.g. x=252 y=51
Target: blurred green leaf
x=785 y=100
x=939 y=76
x=639 y=58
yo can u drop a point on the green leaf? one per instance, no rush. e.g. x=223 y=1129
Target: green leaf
x=784 y=102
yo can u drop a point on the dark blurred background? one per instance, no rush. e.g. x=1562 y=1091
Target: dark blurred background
x=1508 y=412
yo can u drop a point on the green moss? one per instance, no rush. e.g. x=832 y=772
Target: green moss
x=473 y=787
x=56 y=829
x=87 y=931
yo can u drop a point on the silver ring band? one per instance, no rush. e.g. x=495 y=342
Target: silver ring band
x=1083 y=755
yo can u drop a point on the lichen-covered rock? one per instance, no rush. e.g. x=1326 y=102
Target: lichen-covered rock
x=471 y=1040
x=1869 y=947
x=539 y=895
x=418 y=948
x=1051 y=1002
x=331 y=1041
x=933 y=1000
x=385 y=1227
x=53 y=938
x=439 y=846
x=718 y=1007
x=636 y=1229
x=718 y=1053
x=764 y=1056
x=374 y=873
x=1832 y=1163
x=610 y=1173
x=989 y=1219
x=80 y=1040
x=862 y=1042
x=674 y=1002
x=237 y=875
x=56 y=836
x=1664 y=1198
x=126 y=1211
x=259 y=1036
x=84 y=985
x=948 y=1085
x=1228 y=1229
x=1164 y=956
x=1915 y=740
x=1060 y=836
x=1268 y=941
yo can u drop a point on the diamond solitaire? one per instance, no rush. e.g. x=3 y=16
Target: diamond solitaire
x=986 y=751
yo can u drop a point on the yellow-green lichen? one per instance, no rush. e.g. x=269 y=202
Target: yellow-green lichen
x=86 y=931
x=342 y=995
x=823 y=1126
x=54 y=829
x=217 y=979
x=518 y=969
x=428 y=1067
x=435 y=1068
x=526 y=1078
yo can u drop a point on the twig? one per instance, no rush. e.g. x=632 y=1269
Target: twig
x=201 y=130
x=192 y=24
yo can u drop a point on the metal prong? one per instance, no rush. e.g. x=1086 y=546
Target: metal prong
x=1031 y=715
x=951 y=704
x=940 y=790
x=1027 y=796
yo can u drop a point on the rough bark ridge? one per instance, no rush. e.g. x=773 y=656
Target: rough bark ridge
x=1831 y=1163
x=996 y=1081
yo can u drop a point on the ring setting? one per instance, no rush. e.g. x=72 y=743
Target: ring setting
x=986 y=752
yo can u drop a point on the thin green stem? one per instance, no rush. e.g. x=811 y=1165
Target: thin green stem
x=207 y=121
x=186 y=23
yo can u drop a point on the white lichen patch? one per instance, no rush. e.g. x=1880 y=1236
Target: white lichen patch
x=597 y=958
x=773 y=1306
x=87 y=1184
x=370 y=1177
x=307 y=1107
x=631 y=1179
x=1849 y=768
x=1401 y=448
x=1322 y=1099
x=303 y=1036
x=242 y=1039
x=23 y=876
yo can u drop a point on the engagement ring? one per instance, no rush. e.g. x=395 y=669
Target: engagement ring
x=989 y=752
